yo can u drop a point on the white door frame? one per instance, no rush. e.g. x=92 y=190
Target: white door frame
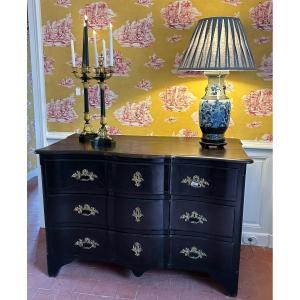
x=38 y=85
x=37 y=66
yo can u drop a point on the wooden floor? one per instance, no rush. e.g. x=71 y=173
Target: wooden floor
x=95 y=281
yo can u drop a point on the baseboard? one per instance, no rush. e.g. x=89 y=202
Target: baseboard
x=257 y=239
x=56 y=136
x=253 y=144
x=32 y=173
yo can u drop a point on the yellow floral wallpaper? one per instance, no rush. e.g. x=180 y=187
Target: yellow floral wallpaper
x=31 y=144
x=147 y=95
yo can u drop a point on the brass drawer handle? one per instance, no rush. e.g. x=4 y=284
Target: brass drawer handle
x=86 y=210
x=86 y=243
x=137 y=214
x=137 y=248
x=193 y=253
x=193 y=217
x=195 y=182
x=84 y=175
x=137 y=178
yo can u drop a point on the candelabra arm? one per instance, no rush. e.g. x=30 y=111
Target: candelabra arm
x=76 y=73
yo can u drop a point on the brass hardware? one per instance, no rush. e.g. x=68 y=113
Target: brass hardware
x=195 y=182
x=87 y=129
x=86 y=243
x=103 y=120
x=193 y=217
x=87 y=117
x=80 y=73
x=137 y=248
x=101 y=71
x=92 y=211
x=102 y=132
x=100 y=74
x=137 y=214
x=137 y=178
x=193 y=253
x=84 y=175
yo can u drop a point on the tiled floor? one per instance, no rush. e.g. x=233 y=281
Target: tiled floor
x=95 y=281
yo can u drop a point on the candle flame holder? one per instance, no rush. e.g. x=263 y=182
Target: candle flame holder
x=87 y=133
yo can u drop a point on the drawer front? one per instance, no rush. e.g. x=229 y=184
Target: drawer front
x=82 y=209
x=142 y=250
x=197 y=180
x=138 y=214
x=75 y=176
x=137 y=178
x=78 y=242
x=201 y=254
x=201 y=217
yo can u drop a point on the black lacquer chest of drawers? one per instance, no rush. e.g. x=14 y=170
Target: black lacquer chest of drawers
x=148 y=202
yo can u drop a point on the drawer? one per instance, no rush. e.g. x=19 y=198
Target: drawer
x=197 y=254
x=194 y=216
x=91 y=243
x=197 y=180
x=82 y=209
x=139 y=250
x=136 y=214
x=137 y=178
x=75 y=176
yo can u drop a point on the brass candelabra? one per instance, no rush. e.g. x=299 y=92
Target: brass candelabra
x=100 y=74
x=87 y=133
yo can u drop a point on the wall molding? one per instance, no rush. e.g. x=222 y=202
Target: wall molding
x=257 y=221
x=260 y=239
x=54 y=136
x=253 y=144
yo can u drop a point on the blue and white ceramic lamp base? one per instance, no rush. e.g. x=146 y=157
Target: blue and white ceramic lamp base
x=214 y=111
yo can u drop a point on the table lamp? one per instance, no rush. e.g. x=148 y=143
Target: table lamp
x=218 y=45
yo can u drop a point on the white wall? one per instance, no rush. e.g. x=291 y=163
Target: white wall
x=257 y=221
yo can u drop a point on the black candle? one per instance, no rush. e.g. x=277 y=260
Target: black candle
x=85 y=46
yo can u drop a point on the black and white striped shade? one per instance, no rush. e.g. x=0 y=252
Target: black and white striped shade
x=218 y=43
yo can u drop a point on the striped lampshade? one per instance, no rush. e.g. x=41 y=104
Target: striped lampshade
x=218 y=43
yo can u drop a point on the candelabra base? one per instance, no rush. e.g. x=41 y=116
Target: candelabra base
x=86 y=137
x=100 y=142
